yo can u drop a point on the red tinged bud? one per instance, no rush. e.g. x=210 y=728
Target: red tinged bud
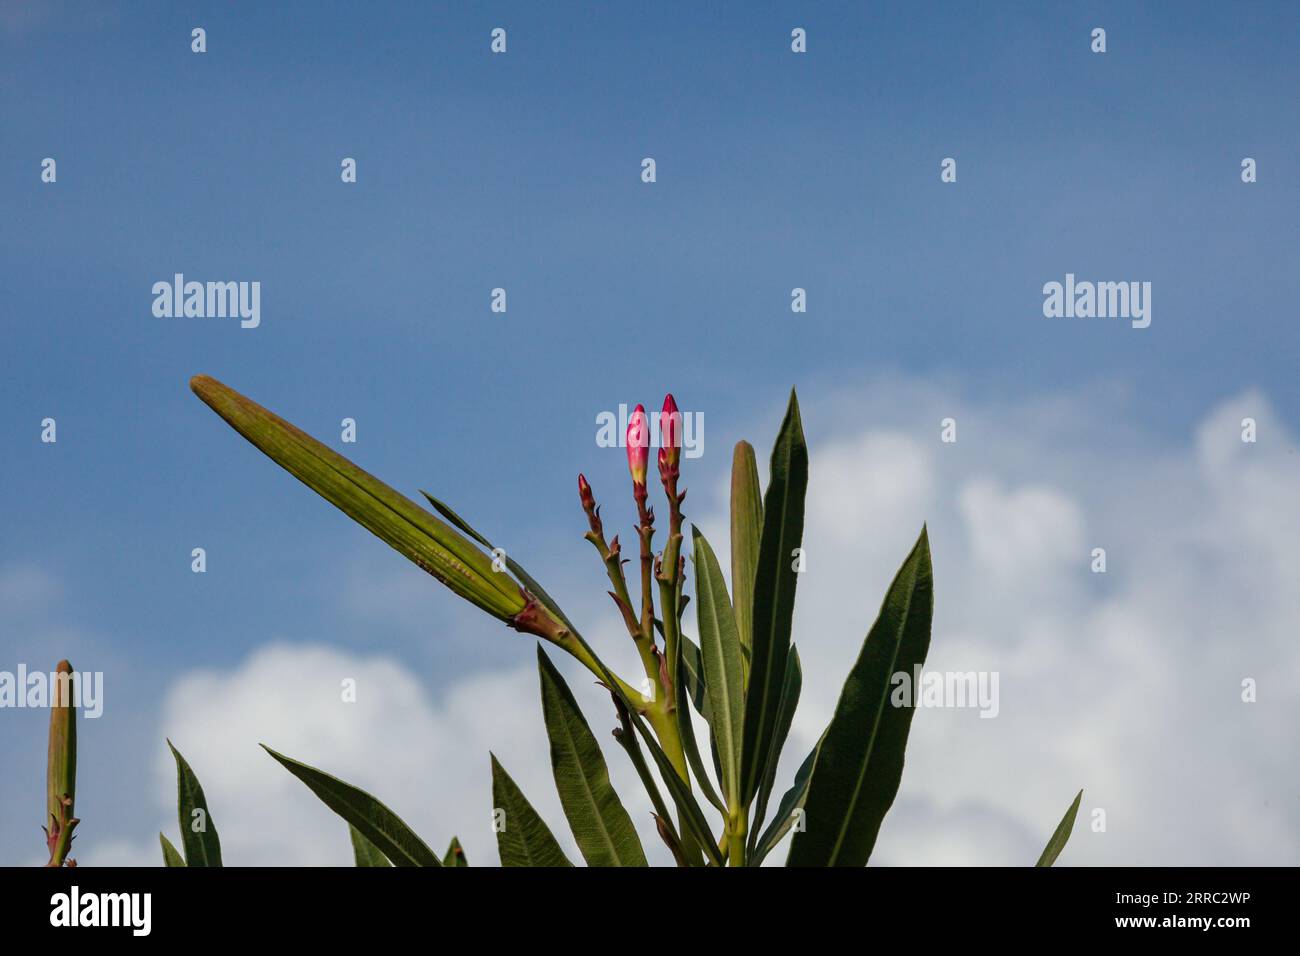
x=670 y=434
x=584 y=492
x=638 y=446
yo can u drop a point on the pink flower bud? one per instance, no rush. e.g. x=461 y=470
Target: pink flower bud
x=638 y=446
x=584 y=492
x=670 y=432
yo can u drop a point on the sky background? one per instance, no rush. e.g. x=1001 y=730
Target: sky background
x=775 y=171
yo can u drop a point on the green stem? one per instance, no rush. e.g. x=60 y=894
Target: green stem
x=614 y=571
x=737 y=825
x=664 y=723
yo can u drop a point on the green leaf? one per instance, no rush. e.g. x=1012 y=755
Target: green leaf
x=686 y=730
x=693 y=677
x=723 y=670
x=789 y=701
x=364 y=852
x=198 y=831
x=378 y=824
x=455 y=855
x=392 y=517
x=774 y=589
x=746 y=532
x=523 y=838
x=860 y=762
x=600 y=824
x=1062 y=835
x=783 y=819
x=171 y=857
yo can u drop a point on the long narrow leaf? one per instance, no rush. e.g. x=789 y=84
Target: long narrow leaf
x=402 y=524
x=789 y=701
x=523 y=838
x=746 y=532
x=1062 y=834
x=365 y=853
x=198 y=832
x=774 y=588
x=723 y=670
x=378 y=824
x=600 y=824
x=693 y=676
x=691 y=747
x=858 y=767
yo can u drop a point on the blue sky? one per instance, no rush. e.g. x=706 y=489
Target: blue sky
x=522 y=171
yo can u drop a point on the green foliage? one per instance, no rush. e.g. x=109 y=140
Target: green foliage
x=720 y=653
x=374 y=821
x=395 y=519
x=600 y=825
x=746 y=533
x=775 y=579
x=794 y=799
x=455 y=855
x=523 y=838
x=860 y=761
x=785 y=716
x=171 y=856
x=364 y=852
x=198 y=831
x=1061 y=835
x=743 y=677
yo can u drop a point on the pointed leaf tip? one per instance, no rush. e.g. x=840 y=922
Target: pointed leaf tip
x=1061 y=835
x=373 y=819
x=199 y=837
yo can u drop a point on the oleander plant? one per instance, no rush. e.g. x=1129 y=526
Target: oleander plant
x=740 y=673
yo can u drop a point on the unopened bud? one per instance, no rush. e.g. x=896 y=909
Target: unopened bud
x=670 y=434
x=638 y=446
